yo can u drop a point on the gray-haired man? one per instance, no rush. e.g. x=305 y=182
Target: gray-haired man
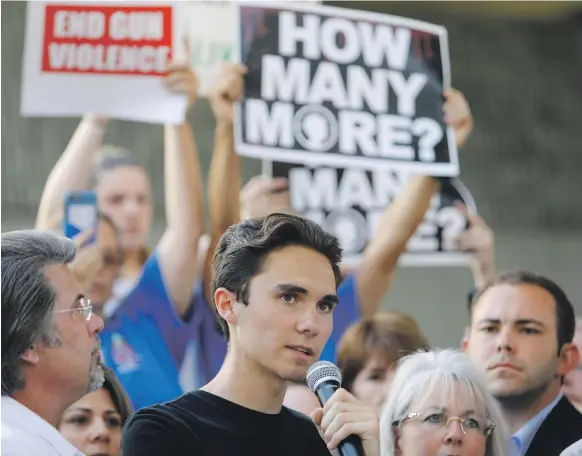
x=50 y=348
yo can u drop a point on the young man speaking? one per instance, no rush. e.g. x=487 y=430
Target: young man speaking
x=274 y=283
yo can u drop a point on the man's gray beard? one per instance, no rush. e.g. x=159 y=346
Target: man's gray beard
x=96 y=377
x=523 y=400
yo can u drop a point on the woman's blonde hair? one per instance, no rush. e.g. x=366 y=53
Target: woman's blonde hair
x=388 y=335
x=420 y=376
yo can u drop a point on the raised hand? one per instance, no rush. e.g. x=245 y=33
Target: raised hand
x=478 y=239
x=262 y=196
x=182 y=79
x=458 y=115
x=226 y=90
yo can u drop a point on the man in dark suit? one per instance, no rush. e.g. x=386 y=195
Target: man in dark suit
x=520 y=336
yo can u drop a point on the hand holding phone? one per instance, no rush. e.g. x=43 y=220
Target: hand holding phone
x=80 y=214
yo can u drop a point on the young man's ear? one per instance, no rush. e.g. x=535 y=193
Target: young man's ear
x=225 y=301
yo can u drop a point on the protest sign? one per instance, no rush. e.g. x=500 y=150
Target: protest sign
x=349 y=203
x=105 y=58
x=339 y=87
x=212 y=29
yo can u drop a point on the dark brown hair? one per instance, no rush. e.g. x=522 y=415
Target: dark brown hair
x=118 y=395
x=242 y=250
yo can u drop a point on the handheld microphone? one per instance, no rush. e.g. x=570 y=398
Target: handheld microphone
x=324 y=378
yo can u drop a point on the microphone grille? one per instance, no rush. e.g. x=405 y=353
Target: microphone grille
x=322 y=369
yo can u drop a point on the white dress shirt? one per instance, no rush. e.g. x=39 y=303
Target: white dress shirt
x=573 y=450
x=24 y=433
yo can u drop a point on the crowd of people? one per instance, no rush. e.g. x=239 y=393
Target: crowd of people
x=201 y=345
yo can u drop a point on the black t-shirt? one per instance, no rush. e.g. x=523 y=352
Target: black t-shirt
x=200 y=423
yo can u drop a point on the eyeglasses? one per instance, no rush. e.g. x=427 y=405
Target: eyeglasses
x=469 y=424
x=85 y=308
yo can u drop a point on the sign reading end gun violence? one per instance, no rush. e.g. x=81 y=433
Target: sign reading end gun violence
x=334 y=86
x=350 y=202
x=107 y=59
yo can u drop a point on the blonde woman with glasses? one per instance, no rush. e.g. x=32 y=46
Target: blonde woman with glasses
x=439 y=405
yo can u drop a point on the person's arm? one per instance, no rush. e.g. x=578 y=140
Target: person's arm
x=177 y=249
x=72 y=171
x=401 y=219
x=397 y=225
x=224 y=174
x=479 y=239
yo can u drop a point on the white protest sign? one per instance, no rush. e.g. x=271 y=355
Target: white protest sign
x=212 y=33
x=211 y=30
x=106 y=58
x=338 y=87
x=349 y=203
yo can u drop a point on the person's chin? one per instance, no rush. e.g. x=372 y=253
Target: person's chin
x=98 y=452
x=96 y=375
x=296 y=374
x=133 y=239
x=505 y=388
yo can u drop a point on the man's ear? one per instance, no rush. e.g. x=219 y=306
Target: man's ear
x=569 y=359
x=31 y=355
x=225 y=301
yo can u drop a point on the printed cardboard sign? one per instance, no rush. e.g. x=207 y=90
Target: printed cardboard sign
x=339 y=87
x=349 y=202
x=212 y=32
x=103 y=58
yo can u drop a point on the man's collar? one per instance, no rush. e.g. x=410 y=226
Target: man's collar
x=523 y=438
x=18 y=416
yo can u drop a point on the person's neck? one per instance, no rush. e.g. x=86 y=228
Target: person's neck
x=242 y=381
x=132 y=263
x=50 y=406
x=517 y=411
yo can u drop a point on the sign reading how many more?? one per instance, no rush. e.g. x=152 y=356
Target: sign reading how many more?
x=350 y=202
x=341 y=87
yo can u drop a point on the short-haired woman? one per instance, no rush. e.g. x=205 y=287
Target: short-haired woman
x=439 y=404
